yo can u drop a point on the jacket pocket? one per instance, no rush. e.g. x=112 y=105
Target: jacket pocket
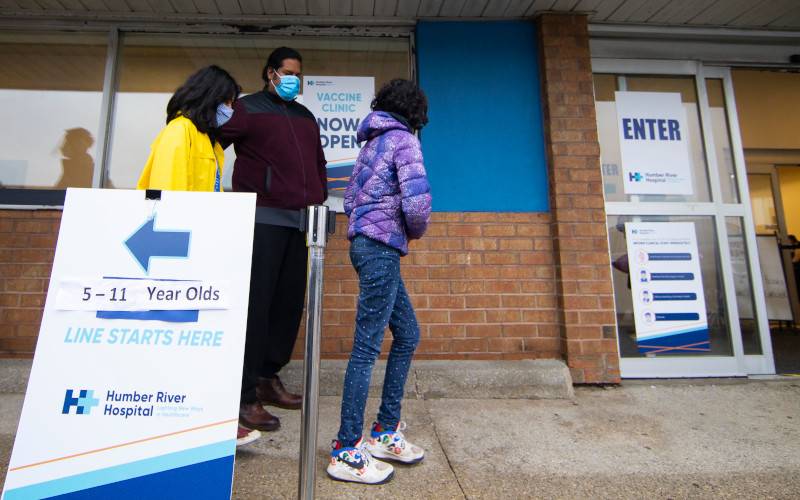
x=203 y=171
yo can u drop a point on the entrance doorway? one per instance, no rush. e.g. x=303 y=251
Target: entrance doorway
x=712 y=318
x=775 y=198
x=768 y=104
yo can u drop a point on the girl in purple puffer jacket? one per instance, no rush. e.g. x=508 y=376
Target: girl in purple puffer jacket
x=388 y=201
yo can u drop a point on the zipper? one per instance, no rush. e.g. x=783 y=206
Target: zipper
x=299 y=153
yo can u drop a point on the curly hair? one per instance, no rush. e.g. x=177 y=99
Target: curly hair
x=404 y=98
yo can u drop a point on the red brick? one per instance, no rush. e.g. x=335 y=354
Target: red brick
x=447 y=331
x=468 y=316
x=484 y=331
x=446 y=302
x=524 y=301
x=502 y=287
x=469 y=345
x=516 y=244
x=15 y=240
x=501 y=258
x=32 y=300
x=505 y=345
x=467 y=287
x=482 y=301
x=430 y=258
x=499 y=230
x=9 y=299
x=503 y=316
x=468 y=230
x=17 y=316
x=433 y=316
x=480 y=244
x=467 y=258
x=447 y=272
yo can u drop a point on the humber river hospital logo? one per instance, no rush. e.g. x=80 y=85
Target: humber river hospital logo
x=83 y=402
x=635 y=177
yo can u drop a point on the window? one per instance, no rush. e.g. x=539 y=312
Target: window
x=153 y=66
x=51 y=88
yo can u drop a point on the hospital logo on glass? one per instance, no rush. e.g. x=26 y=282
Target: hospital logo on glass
x=83 y=402
x=635 y=177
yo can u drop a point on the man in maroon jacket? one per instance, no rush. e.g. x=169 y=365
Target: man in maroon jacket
x=279 y=157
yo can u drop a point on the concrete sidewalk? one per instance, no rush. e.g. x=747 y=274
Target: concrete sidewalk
x=689 y=439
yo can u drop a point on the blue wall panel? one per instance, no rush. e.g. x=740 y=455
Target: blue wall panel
x=484 y=145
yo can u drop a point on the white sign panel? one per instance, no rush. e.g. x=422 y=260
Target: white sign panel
x=654 y=143
x=775 y=289
x=667 y=288
x=339 y=103
x=136 y=377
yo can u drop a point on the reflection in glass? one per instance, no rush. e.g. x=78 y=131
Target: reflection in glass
x=51 y=88
x=743 y=284
x=152 y=67
x=722 y=140
x=762 y=202
x=713 y=289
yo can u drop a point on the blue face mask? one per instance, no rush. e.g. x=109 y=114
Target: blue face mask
x=288 y=88
x=224 y=113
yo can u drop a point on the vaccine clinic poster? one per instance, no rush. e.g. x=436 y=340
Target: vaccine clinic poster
x=667 y=288
x=654 y=143
x=339 y=103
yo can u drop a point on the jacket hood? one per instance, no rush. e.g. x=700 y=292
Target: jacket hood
x=379 y=122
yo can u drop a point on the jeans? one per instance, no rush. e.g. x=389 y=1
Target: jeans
x=382 y=301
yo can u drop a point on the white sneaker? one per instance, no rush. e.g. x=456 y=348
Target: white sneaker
x=357 y=465
x=246 y=436
x=392 y=445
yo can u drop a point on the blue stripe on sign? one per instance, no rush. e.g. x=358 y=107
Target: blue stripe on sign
x=188 y=482
x=168 y=316
x=677 y=316
x=674 y=296
x=669 y=256
x=209 y=480
x=692 y=340
x=671 y=276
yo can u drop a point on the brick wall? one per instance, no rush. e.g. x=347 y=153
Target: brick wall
x=27 y=246
x=482 y=285
x=586 y=317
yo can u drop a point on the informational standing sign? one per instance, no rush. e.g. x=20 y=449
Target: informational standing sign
x=775 y=290
x=134 y=391
x=339 y=103
x=667 y=288
x=654 y=143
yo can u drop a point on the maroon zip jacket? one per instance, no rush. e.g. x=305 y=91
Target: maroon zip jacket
x=278 y=152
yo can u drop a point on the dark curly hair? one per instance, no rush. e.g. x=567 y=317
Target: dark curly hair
x=197 y=99
x=404 y=98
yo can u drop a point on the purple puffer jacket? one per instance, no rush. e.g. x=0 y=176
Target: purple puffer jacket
x=388 y=197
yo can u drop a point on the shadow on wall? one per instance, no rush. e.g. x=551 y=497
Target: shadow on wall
x=77 y=165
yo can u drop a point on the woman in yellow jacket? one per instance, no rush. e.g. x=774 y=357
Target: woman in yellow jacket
x=186 y=155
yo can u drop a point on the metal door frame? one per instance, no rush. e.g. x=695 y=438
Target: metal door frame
x=704 y=366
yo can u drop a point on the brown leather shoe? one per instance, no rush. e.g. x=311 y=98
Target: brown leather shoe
x=254 y=416
x=270 y=391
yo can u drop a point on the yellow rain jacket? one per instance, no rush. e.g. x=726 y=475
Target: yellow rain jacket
x=182 y=159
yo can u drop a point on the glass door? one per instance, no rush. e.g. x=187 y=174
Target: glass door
x=673 y=175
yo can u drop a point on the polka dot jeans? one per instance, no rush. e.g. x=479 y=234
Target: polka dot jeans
x=382 y=301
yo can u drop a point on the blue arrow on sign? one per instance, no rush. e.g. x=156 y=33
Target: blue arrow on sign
x=147 y=243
